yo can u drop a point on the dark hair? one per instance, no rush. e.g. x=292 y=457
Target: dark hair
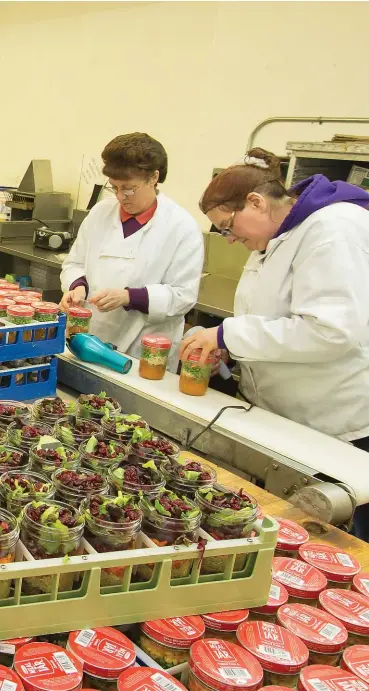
x=134 y=154
x=231 y=187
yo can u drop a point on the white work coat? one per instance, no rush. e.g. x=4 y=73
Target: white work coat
x=301 y=325
x=165 y=256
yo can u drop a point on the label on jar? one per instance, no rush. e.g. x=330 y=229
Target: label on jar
x=148 y=679
x=299 y=578
x=335 y=564
x=12 y=644
x=361 y=583
x=104 y=651
x=319 y=630
x=179 y=632
x=275 y=647
x=290 y=534
x=9 y=680
x=278 y=596
x=356 y=661
x=349 y=607
x=329 y=678
x=278 y=653
x=48 y=667
x=274 y=592
x=224 y=666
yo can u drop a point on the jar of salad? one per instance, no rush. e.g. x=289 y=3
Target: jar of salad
x=154 y=356
x=112 y=525
x=101 y=454
x=25 y=433
x=95 y=406
x=281 y=654
x=51 y=409
x=327 y=678
x=148 y=679
x=46 y=667
x=226 y=515
x=4 y=304
x=9 y=648
x=9 y=535
x=278 y=596
x=72 y=486
x=127 y=429
x=224 y=624
x=50 y=454
x=185 y=476
x=324 y=635
x=194 y=377
x=352 y=609
x=155 y=448
x=139 y=480
x=46 y=311
x=20 y=315
x=2 y=434
x=78 y=321
x=12 y=459
x=360 y=583
x=10 y=410
x=9 y=680
x=74 y=431
x=51 y=529
x=222 y=666
x=290 y=537
x=104 y=653
x=338 y=566
x=169 y=520
x=17 y=489
x=355 y=660
x=168 y=641
x=303 y=582
x=24 y=299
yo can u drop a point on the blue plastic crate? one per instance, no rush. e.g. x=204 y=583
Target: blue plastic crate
x=29 y=382
x=42 y=339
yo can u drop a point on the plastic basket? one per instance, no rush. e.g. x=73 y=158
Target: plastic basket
x=36 y=339
x=29 y=382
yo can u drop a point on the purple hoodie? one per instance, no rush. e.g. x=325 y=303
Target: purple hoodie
x=313 y=194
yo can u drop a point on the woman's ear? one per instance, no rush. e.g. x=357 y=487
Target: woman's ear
x=256 y=201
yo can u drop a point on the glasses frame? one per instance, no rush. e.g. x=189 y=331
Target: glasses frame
x=127 y=193
x=226 y=232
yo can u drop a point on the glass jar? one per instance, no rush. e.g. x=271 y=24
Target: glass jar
x=101 y=454
x=338 y=566
x=78 y=321
x=303 y=582
x=221 y=666
x=154 y=356
x=281 y=654
x=356 y=661
x=325 y=677
x=20 y=315
x=112 y=525
x=136 y=479
x=148 y=679
x=24 y=434
x=124 y=428
x=194 y=377
x=8 y=649
x=25 y=299
x=12 y=459
x=4 y=304
x=51 y=409
x=46 y=312
x=186 y=476
x=46 y=667
x=73 y=430
x=156 y=449
x=17 y=489
x=164 y=530
x=104 y=652
x=72 y=486
x=2 y=434
x=351 y=609
x=9 y=535
x=48 y=456
x=360 y=583
x=278 y=596
x=224 y=625
x=290 y=537
x=168 y=641
x=226 y=515
x=45 y=538
x=95 y=406
x=324 y=635
x=9 y=680
x=10 y=410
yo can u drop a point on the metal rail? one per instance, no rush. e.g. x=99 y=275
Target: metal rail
x=281 y=118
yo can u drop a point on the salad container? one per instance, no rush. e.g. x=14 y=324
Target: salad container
x=50 y=530
x=355 y=660
x=352 y=609
x=155 y=448
x=226 y=515
x=290 y=537
x=125 y=428
x=148 y=679
x=104 y=653
x=95 y=406
x=168 y=641
x=194 y=378
x=46 y=311
x=50 y=454
x=20 y=315
x=112 y=525
x=25 y=433
x=338 y=566
x=4 y=304
x=186 y=476
x=24 y=299
x=327 y=678
x=281 y=654
x=73 y=486
x=101 y=454
x=224 y=624
x=78 y=321
x=74 y=431
x=17 y=489
x=137 y=479
x=154 y=356
x=10 y=410
x=9 y=535
x=360 y=583
x=9 y=681
x=2 y=434
x=278 y=596
x=303 y=582
x=46 y=667
x=51 y=409
x=169 y=520
x=13 y=459
x=222 y=666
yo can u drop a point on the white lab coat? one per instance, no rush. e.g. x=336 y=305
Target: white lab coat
x=301 y=326
x=166 y=256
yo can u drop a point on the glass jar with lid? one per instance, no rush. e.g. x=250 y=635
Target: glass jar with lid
x=218 y=665
x=303 y=582
x=147 y=679
x=360 y=583
x=104 y=653
x=154 y=356
x=168 y=641
x=195 y=376
x=78 y=321
x=355 y=659
x=290 y=537
x=338 y=566
x=319 y=677
x=278 y=596
x=224 y=624
x=59 y=671
x=352 y=609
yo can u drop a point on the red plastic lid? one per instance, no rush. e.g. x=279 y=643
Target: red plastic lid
x=47 y=667
x=10 y=646
x=277 y=649
x=5 y=302
x=290 y=535
x=21 y=311
x=148 y=679
x=349 y=607
x=196 y=355
x=335 y=564
x=225 y=666
x=278 y=596
x=9 y=680
x=355 y=659
x=104 y=652
x=12 y=286
x=179 y=632
x=46 y=307
x=24 y=299
x=328 y=678
x=156 y=341
x=82 y=312
x=8 y=293
x=275 y=688
x=225 y=621
x=321 y=632
x=298 y=577
x=361 y=583
x=32 y=293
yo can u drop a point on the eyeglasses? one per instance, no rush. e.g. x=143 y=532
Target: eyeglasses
x=228 y=230
x=127 y=193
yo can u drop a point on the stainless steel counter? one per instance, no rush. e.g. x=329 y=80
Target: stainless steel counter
x=216 y=295
x=24 y=249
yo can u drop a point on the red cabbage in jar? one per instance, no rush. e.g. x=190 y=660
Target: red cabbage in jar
x=11 y=410
x=52 y=409
x=25 y=433
x=186 y=476
x=73 y=486
x=50 y=454
x=73 y=431
x=17 y=489
x=137 y=479
x=95 y=406
x=127 y=429
x=100 y=454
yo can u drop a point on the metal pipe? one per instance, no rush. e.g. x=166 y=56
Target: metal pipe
x=313 y=120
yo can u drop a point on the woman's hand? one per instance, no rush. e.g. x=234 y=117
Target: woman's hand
x=73 y=298
x=205 y=340
x=108 y=300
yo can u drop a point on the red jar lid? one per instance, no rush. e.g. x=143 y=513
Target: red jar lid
x=47 y=667
x=9 y=680
x=225 y=666
x=298 y=577
x=10 y=646
x=290 y=535
x=156 y=341
x=349 y=607
x=355 y=659
x=196 y=355
x=328 y=678
x=46 y=307
x=148 y=679
x=82 y=312
x=225 y=621
x=12 y=286
x=333 y=562
x=5 y=302
x=275 y=688
x=21 y=311
x=32 y=293
x=179 y=632
x=320 y=632
x=8 y=293
x=277 y=649
x=278 y=596
x=24 y=300
x=104 y=652
x=360 y=583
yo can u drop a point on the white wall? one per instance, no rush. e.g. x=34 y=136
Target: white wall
x=196 y=75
